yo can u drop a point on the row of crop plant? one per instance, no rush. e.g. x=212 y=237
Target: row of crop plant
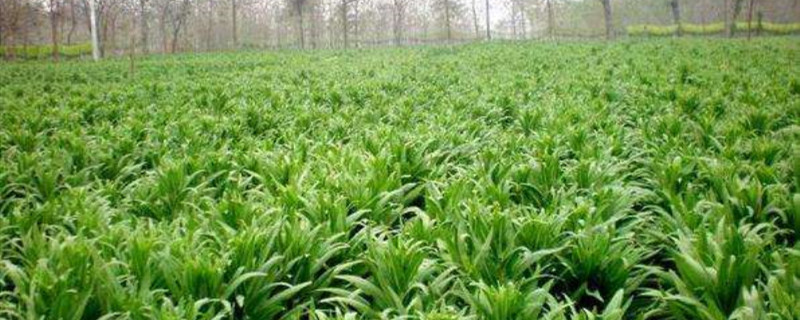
x=46 y=51
x=712 y=29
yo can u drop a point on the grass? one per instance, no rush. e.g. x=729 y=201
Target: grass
x=639 y=179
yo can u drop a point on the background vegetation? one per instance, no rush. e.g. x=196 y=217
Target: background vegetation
x=126 y=27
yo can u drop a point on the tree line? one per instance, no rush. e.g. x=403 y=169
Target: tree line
x=169 y=26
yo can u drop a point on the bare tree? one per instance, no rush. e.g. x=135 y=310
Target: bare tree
x=447 y=11
x=312 y=14
x=12 y=16
x=398 y=16
x=356 y=27
x=514 y=18
x=734 y=15
x=519 y=18
x=726 y=15
x=475 y=20
x=143 y=25
x=55 y=15
x=73 y=23
x=93 y=30
x=448 y=21
x=750 y=18
x=298 y=6
x=2 y=24
x=233 y=26
x=607 y=15
x=676 y=15
x=551 y=21
x=208 y=31
x=172 y=19
x=344 y=7
x=488 y=23
x=181 y=12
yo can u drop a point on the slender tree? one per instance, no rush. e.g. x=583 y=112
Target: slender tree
x=93 y=30
x=209 y=28
x=2 y=24
x=521 y=17
x=447 y=16
x=73 y=23
x=475 y=20
x=178 y=19
x=750 y=18
x=55 y=9
x=344 y=8
x=399 y=16
x=11 y=19
x=676 y=16
x=143 y=25
x=234 y=33
x=514 y=18
x=356 y=27
x=345 y=19
x=551 y=21
x=298 y=11
x=607 y=16
x=488 y=22
x=734 y=15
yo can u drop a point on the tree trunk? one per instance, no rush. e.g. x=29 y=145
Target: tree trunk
x=760 y=27
x=523 y=20
x=54 y=7
x=174 y=45
x=447 y=20
x=93 y=24
x=209 y=30
x=475 y=20
x=163 y=32
x=2 y=22
x=737 y=8
x=143 y=25
x=344 y=23
x=551 y=23
x=608 y=17
x=73 y=23
x=112 y=33
x=178 y=22
x=726 y=16
x=10 y=51
x=750 y=19
x=132 y=51
x=398 y=21
x=176 y=30
x=300 y=27
x=280 y=26
x=488 y=23
x=514 y=19
x=356 y=34
x=313 y=21
x=24 y=32
x=103 y=34
x=11 y=19
x=676 y=16
x=233 y=27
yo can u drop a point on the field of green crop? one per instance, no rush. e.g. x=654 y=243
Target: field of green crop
x=638 y=179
